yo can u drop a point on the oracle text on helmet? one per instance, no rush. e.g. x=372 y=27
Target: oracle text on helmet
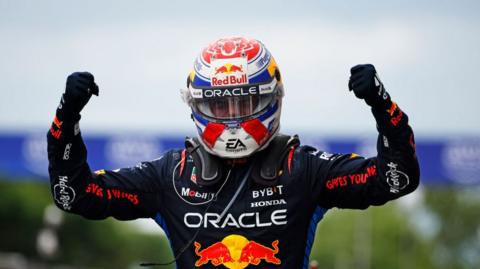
x=208 y=93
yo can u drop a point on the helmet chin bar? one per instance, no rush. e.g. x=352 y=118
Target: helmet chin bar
x=234 y=141
x=251 y=144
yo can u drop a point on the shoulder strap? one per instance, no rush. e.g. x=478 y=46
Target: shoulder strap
x=209 y=166
x=269 y=162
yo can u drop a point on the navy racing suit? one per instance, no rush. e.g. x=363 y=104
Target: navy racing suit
x=264 y=226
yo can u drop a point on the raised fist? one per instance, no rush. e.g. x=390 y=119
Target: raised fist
x=80 y=87
x=365 y=84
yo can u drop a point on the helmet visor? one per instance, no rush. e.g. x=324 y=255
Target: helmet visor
x=233 y=107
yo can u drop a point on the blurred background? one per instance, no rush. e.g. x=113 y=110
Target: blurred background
x=427 y=53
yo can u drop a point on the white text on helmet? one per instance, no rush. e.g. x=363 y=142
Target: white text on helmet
x=208 y=93
x=230 y=80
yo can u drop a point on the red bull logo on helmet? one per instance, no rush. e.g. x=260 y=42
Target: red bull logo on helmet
x=228 y=69
x=229 y=72
x=237 y=252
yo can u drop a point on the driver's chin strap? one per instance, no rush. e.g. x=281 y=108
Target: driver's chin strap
x=266 y=168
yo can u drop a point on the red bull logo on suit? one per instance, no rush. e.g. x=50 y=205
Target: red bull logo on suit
x=236 y=252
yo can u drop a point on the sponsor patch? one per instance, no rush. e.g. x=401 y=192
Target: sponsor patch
x=326 y=156
x=236 y=251
x=63 y=194
x=244 y=220
x=396 y=179
x=55 y=133
x=112 y=194
x=227 y=92
x=193 y=176
x=267 y=192
x=268 y=203
x=385 y=141
x=235 y=145
x=76 y=128
x=187 y=192
x=66 y=152
x=57 y=122
x=354 y=155
x=229 y=72
x=268 y=88
x=352 y=179
x=100 y=172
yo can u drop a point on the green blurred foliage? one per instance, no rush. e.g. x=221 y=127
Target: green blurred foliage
x=457 y=243
x=379 y=237
x=21 y=212
x=88 y=244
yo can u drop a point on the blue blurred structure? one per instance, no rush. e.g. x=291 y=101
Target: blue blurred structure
x=24 y=155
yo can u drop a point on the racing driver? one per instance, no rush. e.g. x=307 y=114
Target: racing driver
x=239 y=194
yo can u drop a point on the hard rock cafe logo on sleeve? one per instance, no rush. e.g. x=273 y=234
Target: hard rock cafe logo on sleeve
x=397 y=179
x=64 y=195
x=237 y=252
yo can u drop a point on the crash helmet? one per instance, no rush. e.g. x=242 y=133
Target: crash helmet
x=235 y=93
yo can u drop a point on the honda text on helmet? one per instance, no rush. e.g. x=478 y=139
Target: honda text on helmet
x=235 y=92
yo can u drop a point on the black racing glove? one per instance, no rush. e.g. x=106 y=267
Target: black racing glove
x=80 y=87
x=366 y=85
